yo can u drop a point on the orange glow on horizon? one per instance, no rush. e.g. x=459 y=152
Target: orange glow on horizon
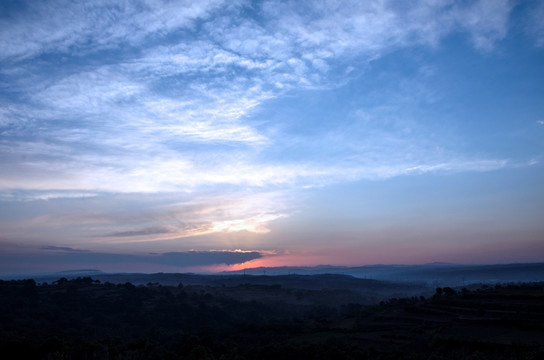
x=267 y=261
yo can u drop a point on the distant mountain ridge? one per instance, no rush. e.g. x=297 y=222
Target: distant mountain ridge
x=434 y=274
x=439 y=273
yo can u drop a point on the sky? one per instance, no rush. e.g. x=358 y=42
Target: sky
x=220 y=135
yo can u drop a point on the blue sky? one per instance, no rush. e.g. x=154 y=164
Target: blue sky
x=237 y=134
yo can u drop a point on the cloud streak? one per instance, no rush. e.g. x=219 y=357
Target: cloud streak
x=61 y=248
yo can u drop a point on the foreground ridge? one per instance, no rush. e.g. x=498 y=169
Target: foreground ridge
x=83 y=318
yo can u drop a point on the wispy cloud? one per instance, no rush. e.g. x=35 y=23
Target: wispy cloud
x=94 y=125
x=64 y=26
x=135 y=218
x=535 y=25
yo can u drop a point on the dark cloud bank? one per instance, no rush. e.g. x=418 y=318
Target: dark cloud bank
x=63 y=256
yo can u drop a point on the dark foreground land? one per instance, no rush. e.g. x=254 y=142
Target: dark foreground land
x=86 y=319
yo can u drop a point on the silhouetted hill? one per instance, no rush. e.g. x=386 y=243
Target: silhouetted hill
x=434 y=274
x=366 y=291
